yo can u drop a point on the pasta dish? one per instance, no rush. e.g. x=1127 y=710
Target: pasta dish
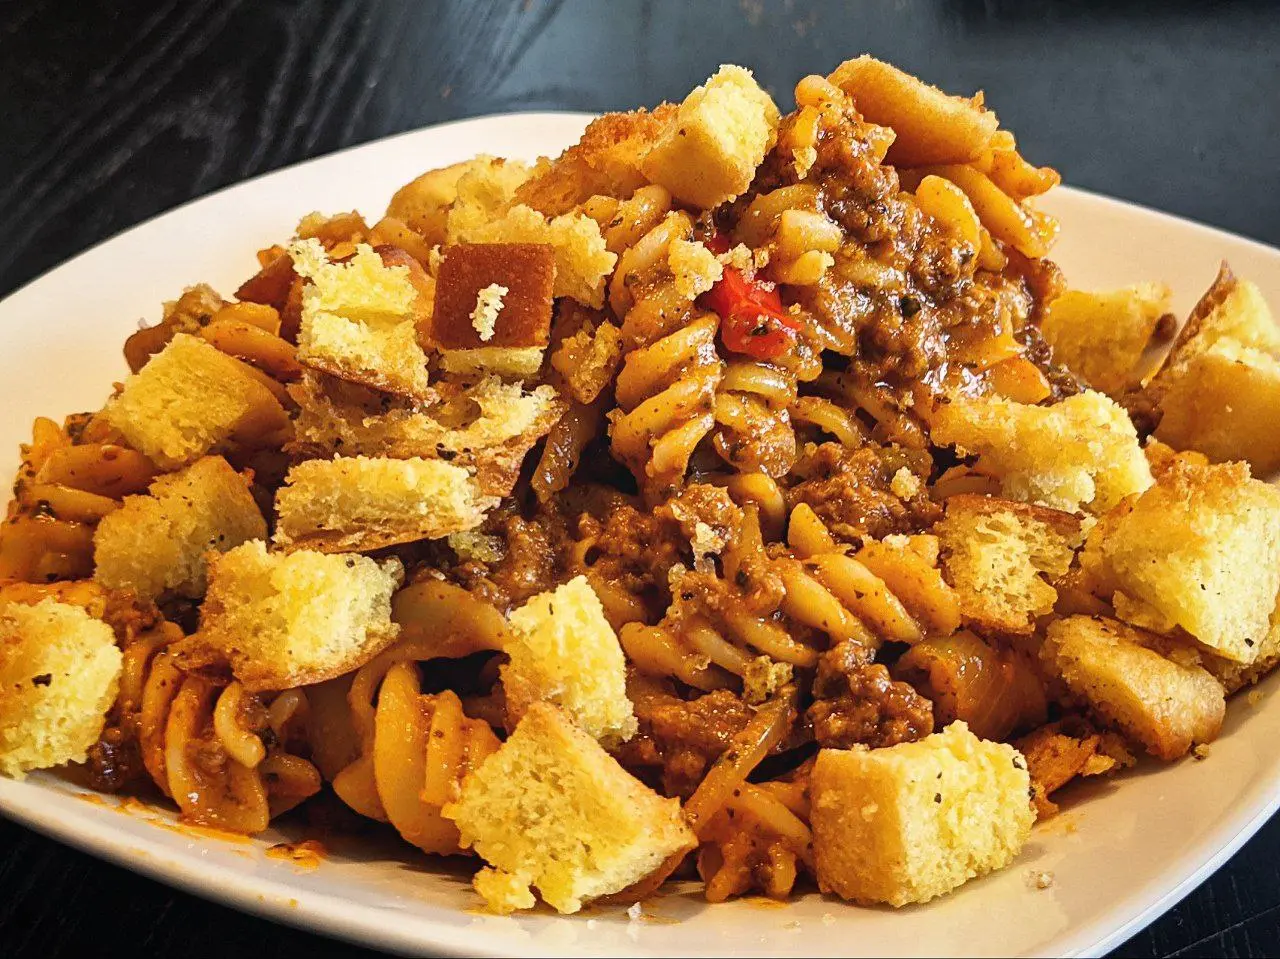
x=737 y=496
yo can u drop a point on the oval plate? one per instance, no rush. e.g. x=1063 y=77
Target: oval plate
x=1120 y=859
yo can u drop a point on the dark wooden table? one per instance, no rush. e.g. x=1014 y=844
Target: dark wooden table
x=111 y=112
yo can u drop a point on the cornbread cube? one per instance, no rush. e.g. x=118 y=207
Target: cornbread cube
x=588 y=360
x=551 y=809
x=1165 y=704
x=525 y=270
x=565 y=652
x=1219 y=391
x=914 y=821
x=336 y=417
x=1002 y=558
x=360 y=319
x=1080 y=453
x=423 y=203
x=1199 y=550
x=583 y=262
x=1101 y=336
x=292 y=619
x=511 y=362
x=930 y=126
x=191 y=399
x=157 y=543
x=722 y=131
x=604 y=162
x=694 y=268
x=1225 y=403
x=59 y=673
x=1235 y=676
x=485 y=191
x=367 y=502
x=1231 y=309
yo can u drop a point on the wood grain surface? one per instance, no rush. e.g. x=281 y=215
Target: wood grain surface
x=111 y=112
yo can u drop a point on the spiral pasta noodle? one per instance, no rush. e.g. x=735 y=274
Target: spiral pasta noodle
x=793 y=606
x=415 y=749
x=666 y=395
x=753 y=426
x=63 y=489
x=223 y=755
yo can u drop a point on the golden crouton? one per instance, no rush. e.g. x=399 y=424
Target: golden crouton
x=603 y=163
x=931 y=126
x=723 y=129
x=565 y=652
x=1101 y=337
x=191 y=399
x=583 y=263
x=1080 y=453
x=588 y=359
x=1225 y=403
x=1235 y=676
x=291 y=619
x=1219 y=390
x=365 y=502
x=423 y=203
x=485 y=191
x=501 y=424
x=694 y=268
x=1199 y=550
x=59 y=672
x=1002 y=558
x=526 y=274
x=157 y=543
x=360 y=319
x=1165 y=705
x=914 y=821
x=1059 y=752
x=551 y=809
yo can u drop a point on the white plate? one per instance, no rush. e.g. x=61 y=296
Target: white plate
x=1118 y=860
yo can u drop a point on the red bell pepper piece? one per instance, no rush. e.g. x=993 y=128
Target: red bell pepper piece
x=752 y=318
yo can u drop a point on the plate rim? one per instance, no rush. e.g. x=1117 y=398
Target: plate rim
x=325 y=914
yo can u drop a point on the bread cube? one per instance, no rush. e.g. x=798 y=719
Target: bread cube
x=526 y=274
x=59 y=673
x=1002 y=558
x=551 y=809
x=930 y=126
x=1235 y=676
x=485 y=191
x=191 y=399
x=565 y=652
x=360 y=319
x=157 y=543
x=1225 y=403
x=1199 y=550
x=588 y=360
x=1219 y=390
x=423 y=203
x=1101 y=337
x=369 y=502
x=291 y=619
x=604 y=162
x=720 y=134
x=336 y=417
x=1231 y=309
x=1164 y=704
x=583 y=263
x=914 y=821
x=694 y=268
x=1080 y=453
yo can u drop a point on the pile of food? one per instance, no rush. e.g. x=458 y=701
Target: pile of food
x=735 y=492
